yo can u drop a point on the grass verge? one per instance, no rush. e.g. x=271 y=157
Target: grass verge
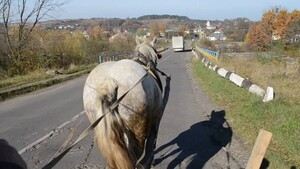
x=20 y=80
x=39 y=79
x=247 y=114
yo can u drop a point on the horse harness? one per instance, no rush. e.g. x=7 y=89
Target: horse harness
x=150 y=66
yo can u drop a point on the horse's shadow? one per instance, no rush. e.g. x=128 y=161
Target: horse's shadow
x=198 y=144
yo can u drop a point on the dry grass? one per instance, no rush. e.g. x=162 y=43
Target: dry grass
x=23 y=79
x=281 y=74
x=39 y=75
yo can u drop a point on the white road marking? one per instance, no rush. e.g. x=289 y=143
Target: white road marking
x=50 y=133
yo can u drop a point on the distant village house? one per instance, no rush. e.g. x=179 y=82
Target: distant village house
x=217 y=35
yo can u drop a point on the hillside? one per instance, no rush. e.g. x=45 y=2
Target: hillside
x=129 y=23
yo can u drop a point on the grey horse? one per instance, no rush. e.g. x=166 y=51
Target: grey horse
x=127 y=134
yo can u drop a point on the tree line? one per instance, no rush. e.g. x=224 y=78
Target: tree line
x=25 y=46
x=177 y=17
x=56 y=49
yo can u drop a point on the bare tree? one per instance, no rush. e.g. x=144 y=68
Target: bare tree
x=20 y=17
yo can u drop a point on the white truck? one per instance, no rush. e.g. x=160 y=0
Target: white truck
x=177 y=43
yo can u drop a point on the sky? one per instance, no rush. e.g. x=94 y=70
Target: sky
x=194 y=9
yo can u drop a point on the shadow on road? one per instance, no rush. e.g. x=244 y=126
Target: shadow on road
x=195 y=146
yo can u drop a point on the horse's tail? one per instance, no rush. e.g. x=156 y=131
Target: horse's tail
x=112 y=138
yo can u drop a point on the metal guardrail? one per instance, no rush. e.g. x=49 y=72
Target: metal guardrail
x=208 y=53
x=115 y=57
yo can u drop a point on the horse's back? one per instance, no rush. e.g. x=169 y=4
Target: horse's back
x=126 y=72
x=145 y=98
x=120 y=69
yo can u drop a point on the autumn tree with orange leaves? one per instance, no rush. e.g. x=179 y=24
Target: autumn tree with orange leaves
x=258 y=38
x=273 y=27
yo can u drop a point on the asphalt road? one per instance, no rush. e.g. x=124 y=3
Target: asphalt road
x=188 y=137
x=31 y=116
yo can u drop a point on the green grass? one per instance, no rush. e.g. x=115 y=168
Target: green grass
x=38 y=75
x=18 y=85
x=23 y=79
x=248 y=114
x=75 y=68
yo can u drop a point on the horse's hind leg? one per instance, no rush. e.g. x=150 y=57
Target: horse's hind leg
x=149 y=148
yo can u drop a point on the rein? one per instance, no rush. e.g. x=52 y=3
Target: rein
x=90 y=129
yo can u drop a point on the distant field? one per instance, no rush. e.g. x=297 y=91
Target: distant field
x=247 y=113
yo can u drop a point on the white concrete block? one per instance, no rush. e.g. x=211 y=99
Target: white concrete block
x=236 y=79
x=206 y=64
x=215 y=67
x=257 y=90
x=269 y=94
x=222 y=72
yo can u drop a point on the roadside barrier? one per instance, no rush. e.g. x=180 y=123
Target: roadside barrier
x=267 y=94
x=114 y=57
x=208 y=53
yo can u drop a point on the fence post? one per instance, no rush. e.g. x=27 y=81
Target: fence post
x=259 y=149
